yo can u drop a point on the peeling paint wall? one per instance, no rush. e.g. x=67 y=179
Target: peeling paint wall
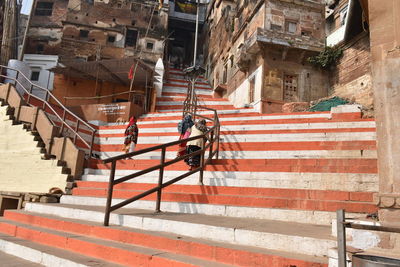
x=87 y=30
x=253 y=43
x=351 y=77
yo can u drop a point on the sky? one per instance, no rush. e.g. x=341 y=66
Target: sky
x=26 y=6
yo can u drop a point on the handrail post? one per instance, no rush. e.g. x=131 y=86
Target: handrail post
x=44 y=102
x=110 y=193
x=16 y=79
x=62 y=122
x=76 y=130
x=91 y=144
x=160 y=180
x=341 y=238
x=202 y=161
x=30 y=92
x=211 y=146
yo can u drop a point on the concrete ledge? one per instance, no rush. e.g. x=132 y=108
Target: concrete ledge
x=65 y=150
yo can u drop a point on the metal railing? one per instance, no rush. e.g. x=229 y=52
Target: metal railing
x=210 y=144
x=341 y=233
x=21 y=82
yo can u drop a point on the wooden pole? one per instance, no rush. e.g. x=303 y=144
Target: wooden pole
x=8 y=43
x=21 y=55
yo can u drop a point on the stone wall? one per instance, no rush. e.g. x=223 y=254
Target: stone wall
x=351 y=78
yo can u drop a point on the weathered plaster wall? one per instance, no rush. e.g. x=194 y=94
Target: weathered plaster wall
x=312 y=82
x=74 y=87
x=240 y=96
x=308 y=16
x=351 y=78
x=23 y=170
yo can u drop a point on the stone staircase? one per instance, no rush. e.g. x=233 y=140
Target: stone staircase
x=269 y=200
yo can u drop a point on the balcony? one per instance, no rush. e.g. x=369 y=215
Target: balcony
x=266 y=38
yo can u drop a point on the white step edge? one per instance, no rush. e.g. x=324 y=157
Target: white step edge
x=276 y=241
x=287 y=215
x=351 y=182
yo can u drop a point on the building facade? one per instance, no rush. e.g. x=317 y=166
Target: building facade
x=257 y=51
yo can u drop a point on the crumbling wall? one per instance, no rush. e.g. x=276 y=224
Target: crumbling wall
x=351 y=77
x=106 y=27
x=67 y=87
x=45 y=32
x=308 y=16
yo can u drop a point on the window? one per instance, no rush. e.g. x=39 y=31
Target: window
x=35 y=75
x=291 y=26
x=343 y=15
x=44 y=9
x=83 y=33
x=39 y=49
x=131 y=37
x=150 y=46
x=306 y=33
x=111 y=39
x=275 y=27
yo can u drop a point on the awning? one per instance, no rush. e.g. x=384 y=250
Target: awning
x=113 y=70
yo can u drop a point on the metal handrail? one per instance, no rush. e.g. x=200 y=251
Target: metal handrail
x=46 y=104
x=212 y=136
x=341 y=233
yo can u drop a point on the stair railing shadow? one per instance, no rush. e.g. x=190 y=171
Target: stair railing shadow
x=210 y=145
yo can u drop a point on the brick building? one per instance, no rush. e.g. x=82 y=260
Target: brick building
x=97 y=43
x=257 y=51
x=348 y=29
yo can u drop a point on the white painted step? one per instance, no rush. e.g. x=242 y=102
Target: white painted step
x=41 y=255
x=353 y=182
x=207 y=103
x=286 y=215
x=254 y=127
x=285 y=236
x=171 y=89
x=300 y=137
x=284 y=154
x=240 y=111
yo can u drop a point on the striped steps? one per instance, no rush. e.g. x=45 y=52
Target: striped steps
x=109 y=251
x=269 y=200
x=318 y=200
x=308 y=240
x=200 y=249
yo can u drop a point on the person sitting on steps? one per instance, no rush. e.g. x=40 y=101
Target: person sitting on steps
x=192 y=146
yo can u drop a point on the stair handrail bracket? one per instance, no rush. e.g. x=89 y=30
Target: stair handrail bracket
x=210 y=144
x=57 y=109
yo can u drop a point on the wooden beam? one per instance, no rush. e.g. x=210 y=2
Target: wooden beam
x=113 y=75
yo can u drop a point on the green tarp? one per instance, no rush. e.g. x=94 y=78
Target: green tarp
x=326 y=105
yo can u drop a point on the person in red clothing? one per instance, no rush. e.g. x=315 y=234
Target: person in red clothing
x=131 y=135
x=184 y=128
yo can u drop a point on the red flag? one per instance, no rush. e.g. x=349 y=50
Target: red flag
x=130 y=74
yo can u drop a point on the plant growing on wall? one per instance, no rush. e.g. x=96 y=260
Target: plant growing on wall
x=326 y=57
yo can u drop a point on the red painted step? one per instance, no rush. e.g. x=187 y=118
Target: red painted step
x=120 y=254
x=211 y=251
x=241 y=191
x=243 y=201
x=262 y=165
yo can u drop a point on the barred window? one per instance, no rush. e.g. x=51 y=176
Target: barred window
x=44 y=9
